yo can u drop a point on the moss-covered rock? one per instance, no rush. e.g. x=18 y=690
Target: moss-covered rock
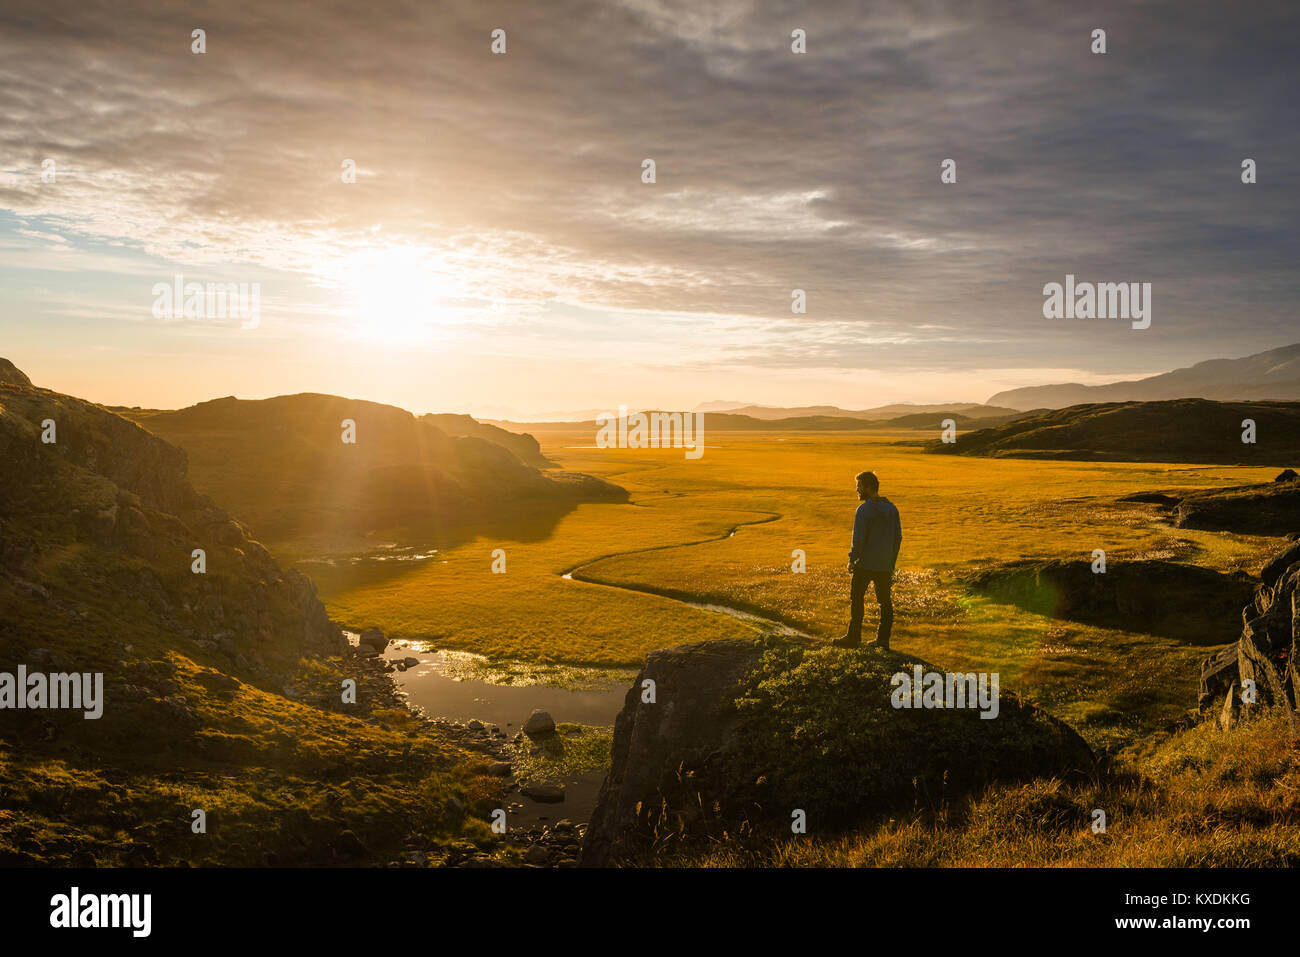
x=743 y=734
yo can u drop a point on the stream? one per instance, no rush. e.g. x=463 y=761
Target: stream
x=456 y=687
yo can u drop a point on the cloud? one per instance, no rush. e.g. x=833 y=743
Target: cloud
x=521 y=173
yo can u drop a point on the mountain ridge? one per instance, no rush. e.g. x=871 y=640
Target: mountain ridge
x=1272 y=374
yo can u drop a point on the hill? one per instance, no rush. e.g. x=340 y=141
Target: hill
x=523 y=445
x=1181 y=430
x=283 y=466
x=1274 y=374
x=219 y=687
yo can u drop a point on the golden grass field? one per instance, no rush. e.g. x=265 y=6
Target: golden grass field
x=795 y=491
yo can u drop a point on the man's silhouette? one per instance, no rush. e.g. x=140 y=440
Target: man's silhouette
x=877 y=534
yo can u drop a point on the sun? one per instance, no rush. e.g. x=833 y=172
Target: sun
x=396 y=295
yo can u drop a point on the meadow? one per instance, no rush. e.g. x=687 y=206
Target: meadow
x=785 y=492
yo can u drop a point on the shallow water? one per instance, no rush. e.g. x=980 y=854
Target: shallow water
x=384 y=553
x=456 y=686
x=765 y=625
x=459 y=686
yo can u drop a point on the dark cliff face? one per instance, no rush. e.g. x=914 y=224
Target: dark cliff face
x=743 y=734
x=97 y=534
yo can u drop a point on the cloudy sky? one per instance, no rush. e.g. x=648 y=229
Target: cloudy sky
x=498 y=252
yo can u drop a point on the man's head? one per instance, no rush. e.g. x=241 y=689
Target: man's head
x=868 y=485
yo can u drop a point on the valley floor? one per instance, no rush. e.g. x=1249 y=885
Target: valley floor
x=727 y=529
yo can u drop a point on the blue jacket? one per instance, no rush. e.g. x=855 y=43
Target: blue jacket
x=877 y=534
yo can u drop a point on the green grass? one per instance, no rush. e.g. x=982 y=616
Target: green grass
x=278 y=781
x=790 y=491
x=530 y=612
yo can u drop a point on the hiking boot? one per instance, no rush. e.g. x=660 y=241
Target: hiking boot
x=847 y=642
x=878 y=645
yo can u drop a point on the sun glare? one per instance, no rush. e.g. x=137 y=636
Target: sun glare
x=394 y=294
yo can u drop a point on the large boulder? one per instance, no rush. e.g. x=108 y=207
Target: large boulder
x=741 y=734
x=1268 y=642
x=539 y=723
x=372 y=639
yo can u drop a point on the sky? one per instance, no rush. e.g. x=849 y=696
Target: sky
x=500 y=254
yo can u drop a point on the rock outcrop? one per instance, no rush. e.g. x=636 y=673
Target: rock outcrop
x=1265 y=652
x=742 y=734
x=102 y=534
x=10 y=374
x=1262 y=508
x=1266 y=508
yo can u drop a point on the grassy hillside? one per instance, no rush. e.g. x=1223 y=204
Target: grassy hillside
x=222 y=690
x=283 y=466
x=1180 y=430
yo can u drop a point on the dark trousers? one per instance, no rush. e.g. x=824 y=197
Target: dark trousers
x=858 y=592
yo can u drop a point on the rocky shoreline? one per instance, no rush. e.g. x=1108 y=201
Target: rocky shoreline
x=541 y=845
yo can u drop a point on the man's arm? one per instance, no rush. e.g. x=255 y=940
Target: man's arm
x=898 y=536
x=859 y=534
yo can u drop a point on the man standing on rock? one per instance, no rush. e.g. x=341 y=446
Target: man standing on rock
x=877 y=535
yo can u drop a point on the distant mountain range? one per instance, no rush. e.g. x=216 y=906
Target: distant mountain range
x=736 y=422
x=973 y=410
x=1274 y=374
